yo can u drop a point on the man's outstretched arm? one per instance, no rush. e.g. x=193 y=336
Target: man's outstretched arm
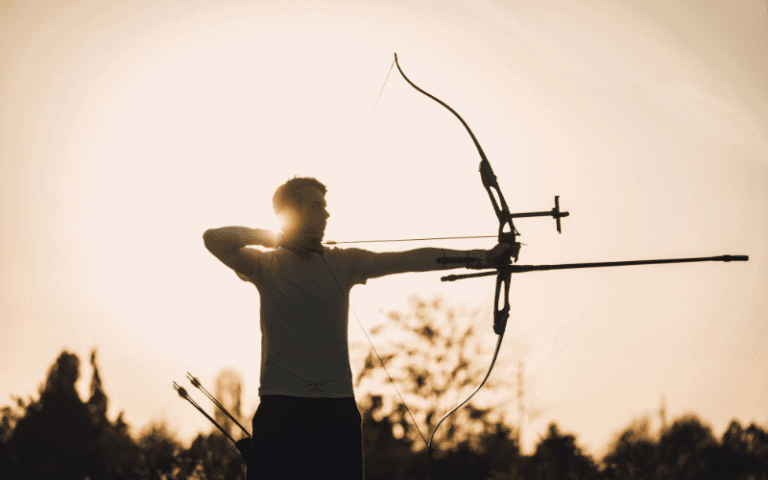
x=447 y=258
x=228 y=244
x=427 y=259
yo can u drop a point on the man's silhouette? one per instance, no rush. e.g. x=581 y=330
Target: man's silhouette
x=307 y=424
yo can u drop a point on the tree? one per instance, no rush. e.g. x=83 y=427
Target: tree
x=687 y=450
x=498 y=451
x=558 y=457
x=114 y=453
x=212 y=457
x=159 y=450
x=229 y=388
x=381 y=446
x=52 y=438
x=744 y=452
x=633 y=455
x=9 y=417
x=433 y=356
x=60 y=436
x=433 y=360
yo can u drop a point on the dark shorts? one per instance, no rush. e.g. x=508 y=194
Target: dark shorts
x=295 y=437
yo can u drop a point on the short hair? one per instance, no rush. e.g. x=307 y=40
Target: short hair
x=289 y=193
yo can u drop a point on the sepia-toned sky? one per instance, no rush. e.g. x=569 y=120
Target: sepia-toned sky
x=128 y=128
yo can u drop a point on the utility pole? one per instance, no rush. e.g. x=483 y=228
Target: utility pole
x=663 y=413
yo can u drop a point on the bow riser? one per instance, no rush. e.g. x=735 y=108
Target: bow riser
x=507 y=232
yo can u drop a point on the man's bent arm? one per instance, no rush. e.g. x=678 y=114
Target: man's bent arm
x=228 y=245
x=235 y=238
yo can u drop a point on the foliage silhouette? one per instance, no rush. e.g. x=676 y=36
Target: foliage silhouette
x=214 y=457
x=433 y=364
x=744 y=452
x=159 y=450
x=388 y=457
x=634 y=454
x=58 y=435
x=434 y=346
x=558 y=456
x=228 y=391
x=687 y=450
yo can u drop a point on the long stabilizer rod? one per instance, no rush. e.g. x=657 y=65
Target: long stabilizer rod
x=566 y=266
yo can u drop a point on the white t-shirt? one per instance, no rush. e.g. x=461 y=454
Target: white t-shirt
x=305 y=308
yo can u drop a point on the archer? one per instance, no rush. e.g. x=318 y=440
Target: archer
x=307 y=423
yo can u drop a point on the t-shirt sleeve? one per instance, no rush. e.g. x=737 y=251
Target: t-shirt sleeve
x=259 y=257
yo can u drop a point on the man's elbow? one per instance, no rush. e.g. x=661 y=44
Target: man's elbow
x=209 y=239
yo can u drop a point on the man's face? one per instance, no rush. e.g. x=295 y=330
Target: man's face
x=315 y=212
x=312 y=216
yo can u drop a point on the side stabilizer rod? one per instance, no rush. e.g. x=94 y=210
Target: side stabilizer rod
x=567 y=266
x=554 y=213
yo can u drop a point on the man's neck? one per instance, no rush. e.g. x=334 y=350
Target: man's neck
x=297 y=243
x=290 y=243
x=299 y=251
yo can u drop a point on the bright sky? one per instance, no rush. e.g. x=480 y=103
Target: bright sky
x=128 y=128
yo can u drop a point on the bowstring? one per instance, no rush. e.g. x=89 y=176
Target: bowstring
x=331 y=242
x=373 y=110
x=349 y=303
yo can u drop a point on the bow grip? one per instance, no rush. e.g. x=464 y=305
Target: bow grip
x=509 y=238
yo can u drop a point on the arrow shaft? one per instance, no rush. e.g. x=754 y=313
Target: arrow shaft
x=183 y=394
x=331 y=242
x=200 y=387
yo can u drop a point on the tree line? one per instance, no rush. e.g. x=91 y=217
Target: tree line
x=59 y=435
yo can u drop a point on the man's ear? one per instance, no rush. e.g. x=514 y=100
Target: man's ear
x=289 y=219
